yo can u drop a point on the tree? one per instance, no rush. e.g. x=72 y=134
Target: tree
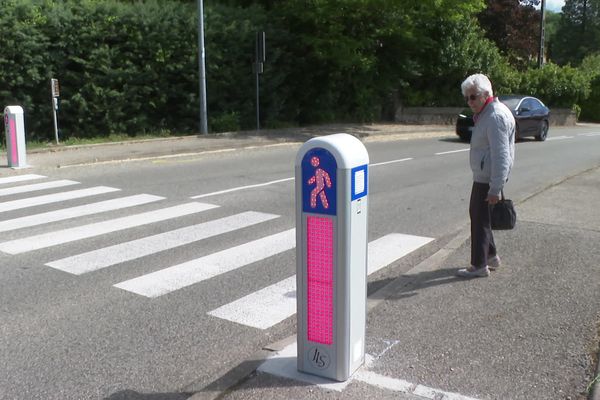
x=578 y=33
x=514 y=26
x=552 y=22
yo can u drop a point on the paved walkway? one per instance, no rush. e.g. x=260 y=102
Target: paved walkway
x=71 y=156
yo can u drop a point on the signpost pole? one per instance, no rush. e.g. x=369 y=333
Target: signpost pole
x=202 y=70
x=259 y=60
x=54 y=88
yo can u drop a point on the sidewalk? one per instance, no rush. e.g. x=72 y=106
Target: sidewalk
x=529 y=331
x=73 y=156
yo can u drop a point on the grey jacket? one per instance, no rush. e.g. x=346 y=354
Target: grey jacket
x=493 y=146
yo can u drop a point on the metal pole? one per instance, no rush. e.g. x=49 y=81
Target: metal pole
x=257 y=105
x=257 y=71
x=54 y=100
x=201 y=56
x=542 y=34
x=54 y=93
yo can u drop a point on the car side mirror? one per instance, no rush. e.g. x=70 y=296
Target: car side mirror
x=524 y=109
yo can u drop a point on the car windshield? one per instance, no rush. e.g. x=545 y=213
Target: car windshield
x=511 y=102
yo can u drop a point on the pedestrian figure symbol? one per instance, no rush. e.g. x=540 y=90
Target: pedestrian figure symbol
x=320 y=179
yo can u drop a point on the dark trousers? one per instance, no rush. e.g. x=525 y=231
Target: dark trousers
x=482 y=239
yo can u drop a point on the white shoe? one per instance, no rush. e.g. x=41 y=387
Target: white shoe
x=494 y=263
x=473 y=272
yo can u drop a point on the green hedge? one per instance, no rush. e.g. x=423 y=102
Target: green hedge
x=556 y=86
x=123 y=67
x=590 y=107
x=132 y=66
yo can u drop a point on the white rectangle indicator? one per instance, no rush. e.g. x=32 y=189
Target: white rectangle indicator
x=359 y=182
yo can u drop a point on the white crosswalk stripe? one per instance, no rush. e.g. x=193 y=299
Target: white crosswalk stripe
x=54 y=198
x=186 y=274
x=86 y=231
x=261 y=309
x=389 y=248
x=79 y=211
x=20 y=178
x=273 y=304
x=264 y=308
x=36 y=187
x=127 y=251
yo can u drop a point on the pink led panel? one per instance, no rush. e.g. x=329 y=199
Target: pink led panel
x=319 y=247
x=13 y=138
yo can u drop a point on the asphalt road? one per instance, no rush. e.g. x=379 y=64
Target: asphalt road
x=81 y=336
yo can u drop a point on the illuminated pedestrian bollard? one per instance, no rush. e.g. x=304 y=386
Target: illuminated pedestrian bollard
x=14 y=128
x=331 y=255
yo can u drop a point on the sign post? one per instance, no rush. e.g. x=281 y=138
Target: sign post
x=54 y=88
x=259 y=61
x=331 y=255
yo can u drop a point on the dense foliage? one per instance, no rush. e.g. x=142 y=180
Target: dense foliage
x=590 y=107
x=578 y=32
x=132 y=66
x=513 y=25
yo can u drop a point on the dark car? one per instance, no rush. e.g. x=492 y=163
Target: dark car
x=530 y=113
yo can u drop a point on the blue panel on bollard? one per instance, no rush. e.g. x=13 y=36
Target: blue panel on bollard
x=319 y=182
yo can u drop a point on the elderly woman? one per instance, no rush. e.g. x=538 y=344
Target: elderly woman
x=491 y=157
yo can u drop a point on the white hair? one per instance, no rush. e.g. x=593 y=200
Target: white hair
x=479 y=82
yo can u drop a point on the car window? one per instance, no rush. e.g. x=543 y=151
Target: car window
x=510 y=102
x=528 y=104
x=535 y=105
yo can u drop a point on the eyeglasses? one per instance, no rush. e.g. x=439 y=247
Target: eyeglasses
x=471 y=97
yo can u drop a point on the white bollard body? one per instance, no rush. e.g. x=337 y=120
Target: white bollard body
x=14 y=128
x=331 y=255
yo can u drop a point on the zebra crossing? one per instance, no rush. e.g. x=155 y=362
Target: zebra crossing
x=262 y=309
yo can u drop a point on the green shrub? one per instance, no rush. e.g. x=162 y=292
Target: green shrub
x=556 y=86
x=590 y=107
x=225 y=122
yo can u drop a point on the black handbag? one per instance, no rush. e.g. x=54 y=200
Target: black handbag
x=503 y=214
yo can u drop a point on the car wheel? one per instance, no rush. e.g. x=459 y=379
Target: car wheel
x=465 y=137
x=543 y=132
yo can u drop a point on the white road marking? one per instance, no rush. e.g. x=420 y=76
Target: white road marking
x=389 y=248
x=589 y=134
x=451 y=152
x=235 y=189
x=86 y=231
x=284 y=364
x=79 y=211
x=20 y=178
x=275 y=303
x=242 y=188
x=122 y=252
x=186 y=274
x=264 y=308
x=402 y=386
x=54 y=198
x=390 y=162
x=559 y=138
x=36 y=187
